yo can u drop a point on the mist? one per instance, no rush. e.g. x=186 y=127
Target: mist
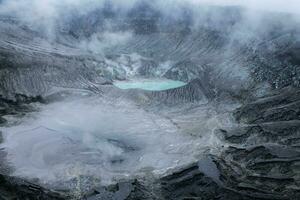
x=49 y=11
x=97 y=92
x=49 y=16
x=107 y=140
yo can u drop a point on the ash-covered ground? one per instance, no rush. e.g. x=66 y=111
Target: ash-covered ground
x=139 y=100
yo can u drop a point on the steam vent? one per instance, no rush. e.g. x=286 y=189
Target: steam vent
x=149 y=100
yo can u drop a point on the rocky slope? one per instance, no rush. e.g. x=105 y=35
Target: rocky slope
x=225 y=62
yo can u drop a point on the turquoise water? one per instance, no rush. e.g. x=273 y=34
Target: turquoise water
x=152 y=85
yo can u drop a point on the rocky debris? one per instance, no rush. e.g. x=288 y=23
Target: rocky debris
x=126 y=190
x=280 y=105
x=188 y=184
x=35 y=75
x=148 y=68
x=185 y=71
x=279 y=65
x=31 y=65
x=196 y=181
x=18 y=189
x=20 y=105
x=263 y=155
x=194 y=91
x=201 y=180
x=2 y=121
x=260 y=162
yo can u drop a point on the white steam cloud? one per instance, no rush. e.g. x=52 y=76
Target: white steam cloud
x=92 y=137
x=45 y=9
x=100 y=42
x=47 y=13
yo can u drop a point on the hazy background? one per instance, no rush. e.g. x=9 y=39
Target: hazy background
x=48 y=10
x=46 y=14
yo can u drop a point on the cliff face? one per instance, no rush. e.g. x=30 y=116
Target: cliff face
x=226 y=61
x=236 y=55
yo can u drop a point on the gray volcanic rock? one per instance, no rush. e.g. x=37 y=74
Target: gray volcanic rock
x=148 y=68
x=194 y=91
x=280 y=105
x=263 y=154
x=185 y=71
x=14 y=188
x=31 y=65
x=258 y=157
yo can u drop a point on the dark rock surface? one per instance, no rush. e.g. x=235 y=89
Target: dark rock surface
x=31 y=65
x=18 y=189
x=261 y=156
x=260 y=162
x=194 y=91
x=185 y=71
x=19 y=106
